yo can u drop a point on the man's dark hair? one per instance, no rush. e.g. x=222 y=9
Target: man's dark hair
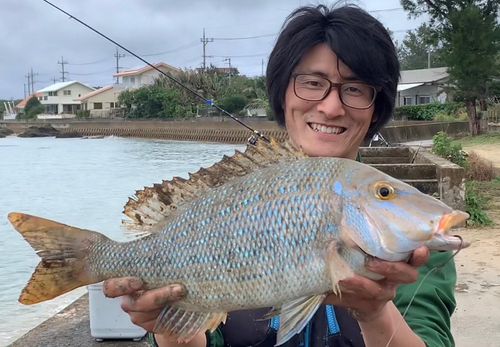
x=356 y=37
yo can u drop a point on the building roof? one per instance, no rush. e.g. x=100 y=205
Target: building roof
x=95 y=92
x=141 y=70
x=25 y=100
x=423 y=75
x=58 y=86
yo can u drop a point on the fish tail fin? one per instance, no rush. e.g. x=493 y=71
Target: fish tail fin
x=63 y=250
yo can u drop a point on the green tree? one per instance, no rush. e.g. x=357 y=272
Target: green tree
x=32 y=103
x=416 y=49
x=468 y=32
x=152 y=101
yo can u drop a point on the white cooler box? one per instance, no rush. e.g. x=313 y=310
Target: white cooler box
x=108 y=320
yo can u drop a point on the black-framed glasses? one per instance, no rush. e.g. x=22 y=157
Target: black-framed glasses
x=356 y=95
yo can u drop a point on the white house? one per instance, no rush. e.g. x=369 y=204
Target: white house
x=60 y=98
x=422 y=86
x=139 y=77
x=101 y=102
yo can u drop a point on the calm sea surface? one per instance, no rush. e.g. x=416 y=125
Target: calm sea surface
x=81 y=182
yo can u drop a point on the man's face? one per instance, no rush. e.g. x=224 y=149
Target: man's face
x=325 y=128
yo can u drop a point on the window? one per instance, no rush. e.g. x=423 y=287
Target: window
x=424 y=99
x=132 y=79
x=407 y=100
x=67 y=92
x=112 y=105
x=45 y=98
x=97 y=105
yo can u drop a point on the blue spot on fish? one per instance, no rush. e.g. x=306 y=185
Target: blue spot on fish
x=337 y=188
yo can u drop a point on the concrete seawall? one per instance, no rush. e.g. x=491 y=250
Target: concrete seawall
x=224 y=130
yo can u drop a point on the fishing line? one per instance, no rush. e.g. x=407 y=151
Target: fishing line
x=436 y=268
x=256 y=132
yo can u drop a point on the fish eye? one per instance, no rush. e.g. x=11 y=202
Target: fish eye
x=384 y=191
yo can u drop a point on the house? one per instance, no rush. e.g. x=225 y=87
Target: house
x=60 y=98
x=422 y=86
x=101 y=102
x=146 y=75
x=20 y=106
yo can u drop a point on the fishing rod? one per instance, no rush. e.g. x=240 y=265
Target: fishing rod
x=256 y=132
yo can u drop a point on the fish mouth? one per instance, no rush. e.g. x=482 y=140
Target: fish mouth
x=441 y=240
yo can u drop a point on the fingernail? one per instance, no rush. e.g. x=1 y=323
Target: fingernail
x=373 y=262
x=177 y=290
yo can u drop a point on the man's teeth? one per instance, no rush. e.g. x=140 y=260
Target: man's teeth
x=325 y=129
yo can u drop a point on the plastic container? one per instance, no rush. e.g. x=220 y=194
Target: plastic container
x=108 y=320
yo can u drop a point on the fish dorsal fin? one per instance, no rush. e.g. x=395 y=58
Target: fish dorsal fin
x=151 y=207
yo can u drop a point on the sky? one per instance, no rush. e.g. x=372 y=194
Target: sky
x=36 y=36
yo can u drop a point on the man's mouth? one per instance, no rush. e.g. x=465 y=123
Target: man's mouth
x=326 y=129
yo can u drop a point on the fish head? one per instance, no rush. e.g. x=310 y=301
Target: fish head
x=389 y=219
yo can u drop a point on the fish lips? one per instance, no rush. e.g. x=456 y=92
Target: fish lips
x=441 y=240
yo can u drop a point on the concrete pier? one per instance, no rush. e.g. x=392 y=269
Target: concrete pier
x=70 y=328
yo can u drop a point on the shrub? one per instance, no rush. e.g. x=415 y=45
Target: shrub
x=444 y=147
x=479 y=169
x=428 y=112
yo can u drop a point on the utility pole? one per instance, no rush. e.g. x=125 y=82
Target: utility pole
x=205 y=40
x=54 y=79
x=29 y=83
x=25 y=90
x=118 y=56
x=429 y=59
x=262 y=67
x=229 y=59
x=63 y=73
x=33 y=81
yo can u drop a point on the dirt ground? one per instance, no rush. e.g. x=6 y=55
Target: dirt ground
x=489 y=151
x=476 y=321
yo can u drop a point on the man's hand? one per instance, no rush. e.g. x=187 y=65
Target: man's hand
x=142 y=306
x=364 y=298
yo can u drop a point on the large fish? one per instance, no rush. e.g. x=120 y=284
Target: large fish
x=269 y=227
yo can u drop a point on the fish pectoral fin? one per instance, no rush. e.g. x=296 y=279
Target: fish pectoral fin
x=339 y=269
x=183 y=325
x=295 y=315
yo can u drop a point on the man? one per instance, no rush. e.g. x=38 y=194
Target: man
x=332 y=79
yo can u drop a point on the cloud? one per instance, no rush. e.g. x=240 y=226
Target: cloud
x=35 y=35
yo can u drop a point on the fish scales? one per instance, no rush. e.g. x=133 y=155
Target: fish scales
x=241 y=245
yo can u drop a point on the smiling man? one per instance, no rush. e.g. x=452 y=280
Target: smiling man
x=332 y=82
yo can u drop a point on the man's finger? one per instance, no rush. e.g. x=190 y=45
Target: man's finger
x=420 y=256
x=115 y=287
x=153 y=299
x=395 y=272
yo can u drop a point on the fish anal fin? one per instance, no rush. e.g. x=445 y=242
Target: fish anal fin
x=182 y=326
x=295 y=315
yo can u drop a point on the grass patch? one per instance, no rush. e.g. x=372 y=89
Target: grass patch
x=478 y=140
x=483 y=180
x=479 y=198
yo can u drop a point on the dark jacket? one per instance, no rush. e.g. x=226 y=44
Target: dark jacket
x=329 y=327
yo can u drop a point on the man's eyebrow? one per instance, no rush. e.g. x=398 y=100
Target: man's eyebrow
x=352 y=78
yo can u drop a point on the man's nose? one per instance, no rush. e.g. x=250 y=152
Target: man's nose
x=332 y=106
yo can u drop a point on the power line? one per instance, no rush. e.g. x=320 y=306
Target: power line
x=90 y=63
x=181 y=48
x=243 y=38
